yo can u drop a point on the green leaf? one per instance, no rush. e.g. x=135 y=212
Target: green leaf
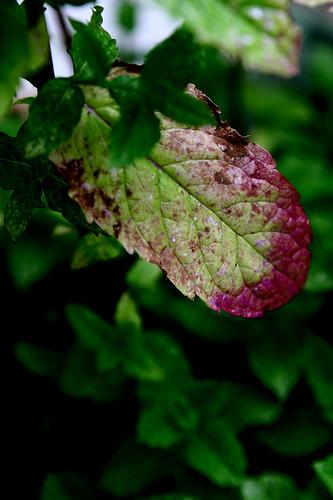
x=81 y=379
x=66 y=486
x=131 y=469
x=127 y=314
x=134 y=135
x=270 y=486
x=319 y=372
x=53 y=115
x=143 y=274
x=156 y=431
x=217 y=454
x=13 y=170
x=297 y=434
x=93 y=50
x=13 y=51
x=127 y=15
x=38 y=360
x=190 y=208
x=262 y=35
x=324 y=470
x=92 y=249
x=168 y=68
x=276 y=360
x=18 y=211
x=240 y=405
x=89 y=327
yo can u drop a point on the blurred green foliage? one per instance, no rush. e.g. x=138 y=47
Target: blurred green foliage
x=197 y=405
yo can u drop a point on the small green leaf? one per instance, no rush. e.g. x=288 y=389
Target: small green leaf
x=66 y=486
x=89 y=327
x=134 y=135
x=127 y=15
x=182 y=107
x=156 y=431
x=297 y=434
x=93 y=50
x=131 y=469
x=270 y=486
x=92 y=249
x=319 y=372
x=276 y=360
x=143 y=274
x=324 y=470
x=53 y=115
x=18 y=211
x=217 y=454
x=127 y=314
x=13 y=170
x=38 y=360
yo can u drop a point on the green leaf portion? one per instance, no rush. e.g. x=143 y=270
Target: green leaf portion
x=93 y=50
x=66 y=487
x=53 y=115
x=319 y=372
x=277 y=361
x=93 y=249
x=262 y=35
x=216 y=453
x=39 y=361
x=13 y=51
x=270 y=486
x=296 y=434
x=324 y=470
x=127 y=15
x=131 y=469
x=19 y=208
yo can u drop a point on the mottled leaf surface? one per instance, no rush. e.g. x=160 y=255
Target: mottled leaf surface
x=207 y=206
x=262 y=34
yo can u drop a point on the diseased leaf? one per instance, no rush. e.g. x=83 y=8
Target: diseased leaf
x=263 y=35
x=207 y=206
x=324 y=469
x=53 y=115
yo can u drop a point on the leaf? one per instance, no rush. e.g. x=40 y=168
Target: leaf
x=38 y=360
x=217 y=454
x=127 y=314
x=93 y=50
x=297 y=434
x=276 y=360
x=168 y=68
x=270 y=486
x=13 y=51
x=324 y=470
x=18 y=211
x=131 y=469
x=93 y=249
x=156 y=431
x=127 y=15
x=66 y=486
x=13 y=170
x=319 y=372
x=239 y=404
x=134 y=135
x=90 y=328
x=53 y=115
x=262 y=35
x=143 y=274
x=207 y=206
